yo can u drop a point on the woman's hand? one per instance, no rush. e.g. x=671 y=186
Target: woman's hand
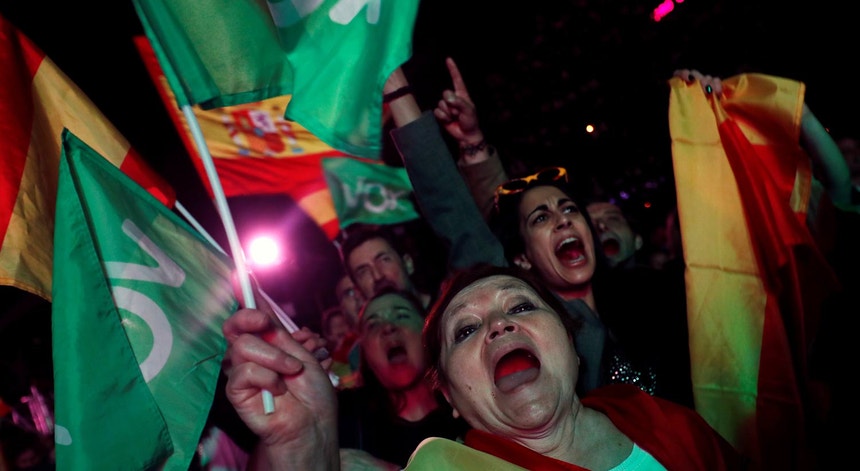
x=709 y=83
x=302 y=431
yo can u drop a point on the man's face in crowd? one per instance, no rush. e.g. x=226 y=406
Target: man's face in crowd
x=349 y=298
x=619 y=241
x=338 y=328
x=375 y=264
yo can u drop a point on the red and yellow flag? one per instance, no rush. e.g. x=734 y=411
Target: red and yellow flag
x=36 y=102
x=755 y=278
x=254 y=149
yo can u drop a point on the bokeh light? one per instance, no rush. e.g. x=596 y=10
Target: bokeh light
x=265 y=251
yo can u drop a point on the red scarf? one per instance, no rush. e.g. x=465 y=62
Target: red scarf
x=674 y=435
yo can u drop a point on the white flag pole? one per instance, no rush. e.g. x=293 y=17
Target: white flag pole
x=321 y=353
x=229 y=227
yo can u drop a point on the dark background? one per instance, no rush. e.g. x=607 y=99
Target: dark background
x=538 y=72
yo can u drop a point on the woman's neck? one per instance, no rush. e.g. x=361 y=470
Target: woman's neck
x=417 y=401
x=580 y=439
x=583 y=292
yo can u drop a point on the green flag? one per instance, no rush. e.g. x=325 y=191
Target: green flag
x=138 y=303
x=332 y=56
x=367 y=192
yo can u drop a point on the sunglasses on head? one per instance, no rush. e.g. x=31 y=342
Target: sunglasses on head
x=518 y=185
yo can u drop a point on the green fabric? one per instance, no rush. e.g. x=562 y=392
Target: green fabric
x=333 y=57
x=138 y=303
x=369 y=193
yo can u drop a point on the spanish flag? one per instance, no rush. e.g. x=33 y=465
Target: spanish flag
x=755 y=278
x=254 y=149
x=36 y=102
x=332 y=56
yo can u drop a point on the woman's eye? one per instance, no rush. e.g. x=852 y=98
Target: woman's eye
x=570 y=209
x=539 y=218
x=463 y=333
x=523 y=307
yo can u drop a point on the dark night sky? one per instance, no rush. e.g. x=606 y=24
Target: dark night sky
x=538 y=72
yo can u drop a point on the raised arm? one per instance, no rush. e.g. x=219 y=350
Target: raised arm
x=819 y=144
x=833 y=169
x=479 y=162
x=445 y=201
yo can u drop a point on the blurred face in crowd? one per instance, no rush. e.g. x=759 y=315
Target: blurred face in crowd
x=558 y=241
x=619 y=241
x=850 y=148
x=507 y=361
x=338 y=328
x=349 y=298
x=375 y=264
x=391 y=341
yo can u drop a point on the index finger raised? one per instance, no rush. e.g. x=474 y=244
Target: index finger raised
x=456 y=78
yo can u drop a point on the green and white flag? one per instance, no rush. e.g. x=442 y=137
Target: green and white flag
x=139 y=299
x=368 y=192
x=332 y=56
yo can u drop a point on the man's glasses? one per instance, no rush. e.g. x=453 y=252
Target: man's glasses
x=518 y=185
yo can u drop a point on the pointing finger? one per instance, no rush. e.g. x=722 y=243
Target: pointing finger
x=456 y=78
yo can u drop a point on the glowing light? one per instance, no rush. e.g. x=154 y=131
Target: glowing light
x=264 y=251
x=647 y=204
x=663 y=9
x=589 y=128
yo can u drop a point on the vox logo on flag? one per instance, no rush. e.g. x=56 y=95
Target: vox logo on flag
x=369 y=192
x=286 y=14
x=138 y=302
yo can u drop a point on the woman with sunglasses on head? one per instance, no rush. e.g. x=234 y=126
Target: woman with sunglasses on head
x=537 y=224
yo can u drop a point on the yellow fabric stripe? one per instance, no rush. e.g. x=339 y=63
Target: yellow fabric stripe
x=27 y=251
x=319 y=206
x=725 y=296
x=440 y=453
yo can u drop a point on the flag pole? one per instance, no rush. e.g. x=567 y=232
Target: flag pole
x=285 y=319
x=229 y=227
x=321 y=353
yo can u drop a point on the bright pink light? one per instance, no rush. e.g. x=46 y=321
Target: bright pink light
x=264 y=251
x=663 y=9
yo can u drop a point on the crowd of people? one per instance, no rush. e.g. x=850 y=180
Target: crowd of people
x=535 y=352
x=556 y=341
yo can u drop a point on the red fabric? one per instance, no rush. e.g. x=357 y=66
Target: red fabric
x=676 y=436
x=296 y=176
x=271 y=165
x=786 y=255
x=19 y=59
x=134 y=166
x=755 y=278
x=341 y=354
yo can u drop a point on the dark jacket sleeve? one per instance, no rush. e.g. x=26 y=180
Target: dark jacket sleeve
x=482 y=179
x=442 y=195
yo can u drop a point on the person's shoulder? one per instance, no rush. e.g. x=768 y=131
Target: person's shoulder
x=440 y=453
